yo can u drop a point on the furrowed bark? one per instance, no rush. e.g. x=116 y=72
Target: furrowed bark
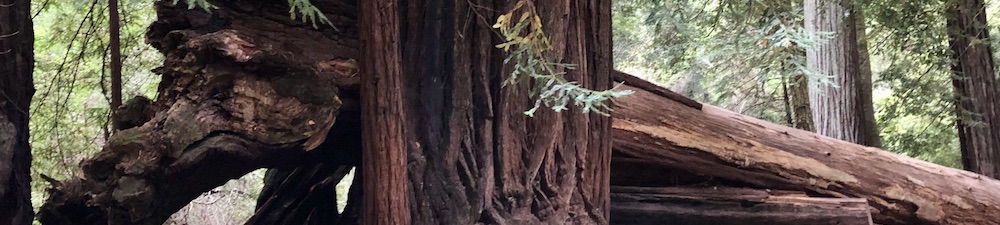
x=839 y=108
x=244 y=87
x=977 y=100
x=735 y=206
x=474 y=157
x=722 y=144
x=384 y=153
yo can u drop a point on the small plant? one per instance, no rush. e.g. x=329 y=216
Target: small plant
x=530 y=48
x=309 y=13
x=296 y=8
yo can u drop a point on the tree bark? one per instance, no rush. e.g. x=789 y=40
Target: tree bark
x=244 y=87
x=656 y=130
x=977 y=100
x=474 y=156
x=869 y=127
x=260 y=88
x=722 y=206
x=838 y=107
x=114 y=26
x=16 y=89
x=384 y=152
x=801 y=112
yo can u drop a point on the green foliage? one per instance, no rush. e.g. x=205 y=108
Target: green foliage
x=729 y=53
x=911 y=61
x=735 y=53
x=308 y=12
x=70 y=110
x=531 y=61
x=297 y=9
x=203 y=4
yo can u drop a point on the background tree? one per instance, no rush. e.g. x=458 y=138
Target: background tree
x=869 y=126
x=975 y=85
x=16 y=90
x=114 y=45
x=838 y=106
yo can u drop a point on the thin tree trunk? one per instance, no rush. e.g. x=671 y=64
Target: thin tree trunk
x=837 y=107
x=16 y=89
x=801 y=113
x=114 y=26
x=384 y=154
x=977 y=100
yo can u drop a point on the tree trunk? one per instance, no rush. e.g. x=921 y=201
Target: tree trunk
x=838 y=107
x=16 y=89
x=731 y=206
x=384 y=152
x=869 y=128
x=114 y=26
x=474 y=157
x=977 y=100
x=801 y=113
x=246 y=87
x=653 y=129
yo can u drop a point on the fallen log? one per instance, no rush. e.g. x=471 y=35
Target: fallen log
x=722 y=206
x=657 y=130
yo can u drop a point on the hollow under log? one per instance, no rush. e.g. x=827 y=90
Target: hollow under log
x=731 y=206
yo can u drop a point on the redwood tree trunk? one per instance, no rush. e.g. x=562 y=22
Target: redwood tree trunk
x=474 y=157
x=838 y=108
x=869 y=128
x=16 y=89
x=384 y=152
x=977 y=100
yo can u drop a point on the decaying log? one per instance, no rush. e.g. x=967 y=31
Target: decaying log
x=654 y=129
x=242 y=89
x=735 y=206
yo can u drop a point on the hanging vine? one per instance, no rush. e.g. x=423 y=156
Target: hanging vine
x=529 y=48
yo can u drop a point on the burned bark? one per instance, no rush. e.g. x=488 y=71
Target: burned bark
x=16 y=89
x=306 y=194
x=714 y=142
x=244 y=87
